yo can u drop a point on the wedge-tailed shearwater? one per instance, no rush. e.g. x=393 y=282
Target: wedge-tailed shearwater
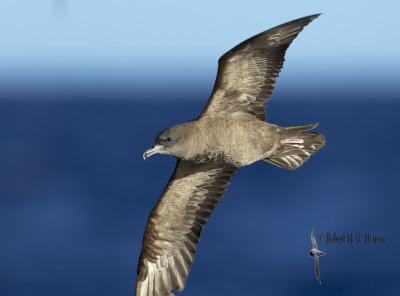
x=231 y=132
x=315 y=253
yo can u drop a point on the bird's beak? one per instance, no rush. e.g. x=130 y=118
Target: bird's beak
x=156 y=149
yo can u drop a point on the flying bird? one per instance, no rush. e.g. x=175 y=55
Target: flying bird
x=315 y=253
x=231 y=132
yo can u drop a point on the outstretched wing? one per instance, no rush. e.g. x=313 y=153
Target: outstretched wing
x=175 y=225
x=313 y=241
x=247 y=73
x=316 y=262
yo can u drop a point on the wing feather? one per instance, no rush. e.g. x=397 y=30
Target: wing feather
x=175 y=225
x=313 y=241
x=247 y=73
x=316 y=263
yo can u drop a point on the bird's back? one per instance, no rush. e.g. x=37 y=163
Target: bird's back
x=232 y=142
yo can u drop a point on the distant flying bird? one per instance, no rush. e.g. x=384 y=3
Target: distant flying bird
x=231 y=132
x=315 y=253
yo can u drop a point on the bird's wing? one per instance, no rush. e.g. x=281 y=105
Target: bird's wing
x=247 y=73
x=313 y=241
x=175 y=224
x=316 y=262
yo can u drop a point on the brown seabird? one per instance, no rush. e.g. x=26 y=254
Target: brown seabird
x=231 y=132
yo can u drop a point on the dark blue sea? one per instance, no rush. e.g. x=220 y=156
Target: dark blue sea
x=75 y=195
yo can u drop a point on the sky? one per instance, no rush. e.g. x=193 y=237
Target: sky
x=146 y=43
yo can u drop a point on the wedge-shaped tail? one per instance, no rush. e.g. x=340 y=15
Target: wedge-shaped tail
x=297 y=146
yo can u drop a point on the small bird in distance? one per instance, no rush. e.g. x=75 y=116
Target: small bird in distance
x=315 y=253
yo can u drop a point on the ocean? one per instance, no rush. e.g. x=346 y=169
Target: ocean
x=75 y=195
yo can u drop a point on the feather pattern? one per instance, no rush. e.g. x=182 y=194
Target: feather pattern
x=297 y=146
x=175 y=225
x=247 y=73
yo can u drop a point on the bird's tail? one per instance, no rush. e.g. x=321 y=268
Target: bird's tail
x=296 y=146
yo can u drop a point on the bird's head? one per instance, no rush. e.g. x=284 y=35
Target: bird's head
x=170 y=141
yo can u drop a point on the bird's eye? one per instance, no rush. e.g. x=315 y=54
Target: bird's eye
x=169 y=139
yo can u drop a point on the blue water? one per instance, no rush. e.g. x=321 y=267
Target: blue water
x=75 y=195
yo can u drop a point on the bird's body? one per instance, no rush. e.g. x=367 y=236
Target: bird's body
x=315 y=253
x=231 y=132
x=229 y=141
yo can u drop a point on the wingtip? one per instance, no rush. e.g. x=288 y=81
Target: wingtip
x=314 y=16
x=308 y=18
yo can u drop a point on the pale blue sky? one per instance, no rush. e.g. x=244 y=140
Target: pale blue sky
x=157 y=39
